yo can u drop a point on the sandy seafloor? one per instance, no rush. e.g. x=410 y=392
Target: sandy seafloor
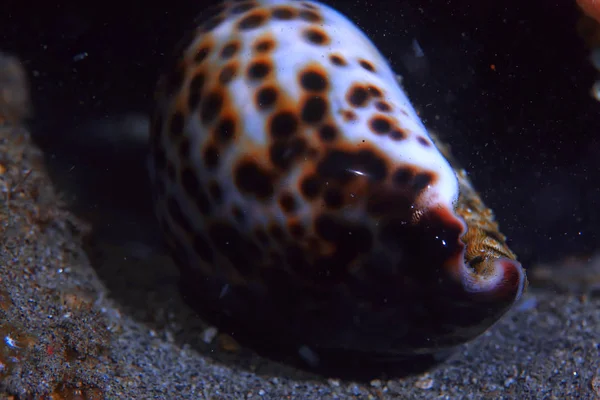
x=86 y=314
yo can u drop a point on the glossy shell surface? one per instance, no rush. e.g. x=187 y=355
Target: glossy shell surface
x=304 y=199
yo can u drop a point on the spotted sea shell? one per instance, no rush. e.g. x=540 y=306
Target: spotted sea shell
x=304 y=199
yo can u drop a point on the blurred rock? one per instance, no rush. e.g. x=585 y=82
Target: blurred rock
x=14 y=90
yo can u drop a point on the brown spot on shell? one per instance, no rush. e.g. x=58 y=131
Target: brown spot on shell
x=310 y=16
x=357 y=96
x=367 y=65
x=316 y=35
x=374 y=91
x=266 y=97
x=228 y=73
x=224 y=131
x=423 y=141
x=309 y=6
x=284 y=13
x=380 y=124
x=337 y=60
x=416 y=181
x=383 y=106
x=345 y=165
x=314 y=78
x=314 y=109
x=253 y=20
x=288 y=203
x=312 y=153
x=311 y=186
x=230 y=49
x=252 y=179
x=333 y=198
x=264 y=44
x=211 y=106
x=195 y=90
x=296 y=229
x=259 y=69
x=283 y=153
x=211 y=156
x=422 y=180
x=202 y=53
x=349 y=115
x=398 y=134
x=283 y=124
x=328 y=133
x=403 y=175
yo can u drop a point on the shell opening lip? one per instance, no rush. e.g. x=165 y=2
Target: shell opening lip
x=503 y=278
x=496 y=279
